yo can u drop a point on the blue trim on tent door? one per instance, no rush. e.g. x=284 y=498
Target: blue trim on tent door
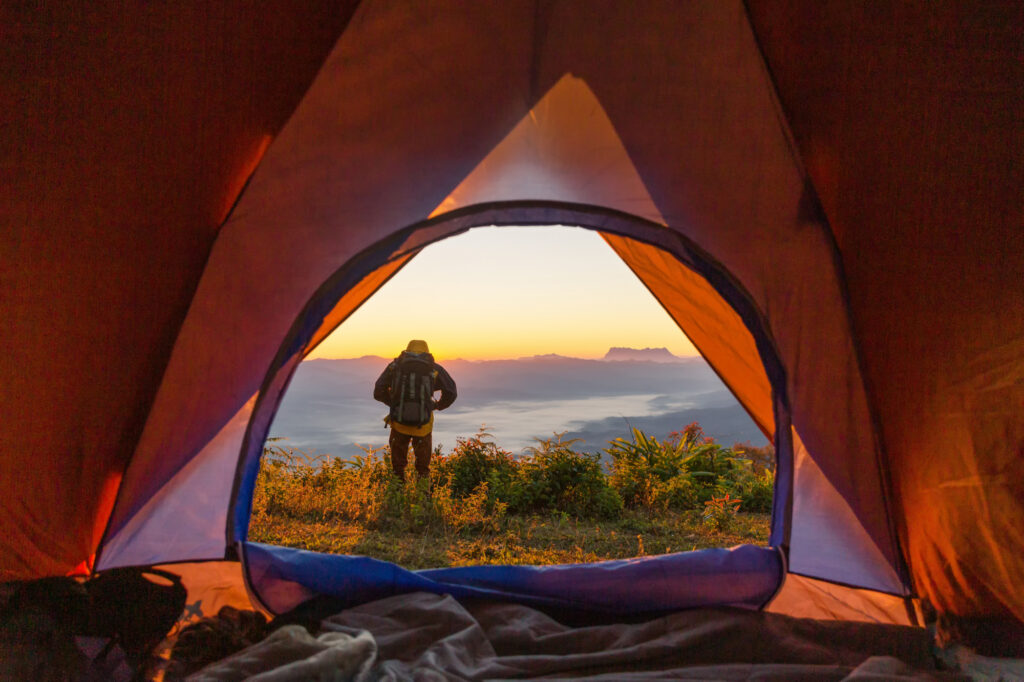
x=782 y=496
x=745 y=576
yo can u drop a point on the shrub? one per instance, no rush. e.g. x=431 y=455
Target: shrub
x=678 y=492
x=639 y=466
x=712 y=468
x=643 y=469
x=291 y=483
x=720 y=512
x=761 y=458
x=360 y=493
x=478 y=485
x=473 y=461
x=688 y=470
x=556 y=477
x=757 y=490
x=475 y=512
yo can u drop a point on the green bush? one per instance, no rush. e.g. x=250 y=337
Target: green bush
x=293 y=483
x=686 y=471
x=641 y=465
x=712 y=468
x=472 y=462
x=720 y=512
x=557 y=478
x=678 y=492
x=757 y=490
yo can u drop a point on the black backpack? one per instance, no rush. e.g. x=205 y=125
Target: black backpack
x=412 y=390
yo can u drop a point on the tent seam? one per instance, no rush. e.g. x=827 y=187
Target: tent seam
x=881 y=458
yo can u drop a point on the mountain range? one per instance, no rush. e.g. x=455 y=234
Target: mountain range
x=641 y=355
x=329 y=406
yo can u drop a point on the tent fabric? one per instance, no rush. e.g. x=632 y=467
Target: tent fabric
x=907 y=118
x=213 y=584
x=745 y=576
x=128 y=133
x=826 y=538
x=802 y=597
x=323 y=148
x=188 y=516
x=210 y=586
x=854 y=167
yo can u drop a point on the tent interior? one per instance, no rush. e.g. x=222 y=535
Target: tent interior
x=825 y=199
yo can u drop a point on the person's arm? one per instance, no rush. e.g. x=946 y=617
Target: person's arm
x=444 y=383
x=382 y=389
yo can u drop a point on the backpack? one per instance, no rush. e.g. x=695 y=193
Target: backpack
x=412 y=390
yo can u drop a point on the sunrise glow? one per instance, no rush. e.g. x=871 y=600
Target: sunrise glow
x=510 y=292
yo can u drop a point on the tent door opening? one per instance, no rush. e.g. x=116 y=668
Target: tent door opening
x=685 y=280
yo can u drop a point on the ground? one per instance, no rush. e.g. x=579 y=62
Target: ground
x=548 y=539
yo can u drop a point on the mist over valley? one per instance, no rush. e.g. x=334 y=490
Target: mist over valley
x=329 y=406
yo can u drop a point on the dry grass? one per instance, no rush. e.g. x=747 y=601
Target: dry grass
x=523 y=540
x=325 y=505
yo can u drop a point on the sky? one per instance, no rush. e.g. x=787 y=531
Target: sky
x=510 y=292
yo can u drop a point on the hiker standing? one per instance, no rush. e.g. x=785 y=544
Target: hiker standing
x=407 y=386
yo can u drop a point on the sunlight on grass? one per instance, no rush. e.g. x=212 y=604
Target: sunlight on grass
x=486 y=506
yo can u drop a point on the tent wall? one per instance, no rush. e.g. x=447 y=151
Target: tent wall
x=802 y=597
x=356 y=163
x=908 y=118
x=292 y=232
x=127 y=131
x=188 y=516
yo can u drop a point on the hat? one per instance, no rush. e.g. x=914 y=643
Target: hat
x=417 y=346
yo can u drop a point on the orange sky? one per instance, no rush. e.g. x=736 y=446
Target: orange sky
x=506 y=293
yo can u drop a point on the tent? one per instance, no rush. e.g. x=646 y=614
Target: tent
x=825 y=198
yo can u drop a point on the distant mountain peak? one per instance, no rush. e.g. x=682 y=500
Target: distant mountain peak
x=641 y=355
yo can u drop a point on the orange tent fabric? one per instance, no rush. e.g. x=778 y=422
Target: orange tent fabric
x=131 y=134
x=128 y=133
x=908 y=120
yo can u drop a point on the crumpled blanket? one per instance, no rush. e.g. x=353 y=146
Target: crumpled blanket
x=424 y=636
x=291 y=653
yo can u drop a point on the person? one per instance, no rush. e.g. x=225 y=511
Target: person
x=407 y=385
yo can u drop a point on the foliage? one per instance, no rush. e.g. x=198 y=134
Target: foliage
x=685 y=471
x=761 y=458
x=678 y=492
x=473 y=461
x=641 y=465
x=756 y=489
x=556 y=478
x=487 y=505
x=720 y=512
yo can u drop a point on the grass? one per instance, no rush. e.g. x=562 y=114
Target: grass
x=523 y=540
x=486 y=506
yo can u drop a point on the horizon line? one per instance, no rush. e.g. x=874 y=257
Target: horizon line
x=521 y=357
